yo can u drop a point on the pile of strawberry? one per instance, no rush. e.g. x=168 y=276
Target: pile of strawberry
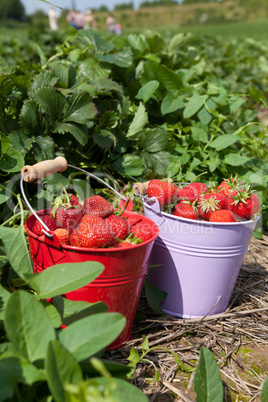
x=93 y=224
x=229 y=201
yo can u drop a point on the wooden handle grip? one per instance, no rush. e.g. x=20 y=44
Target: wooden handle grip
x=44 y=168
x=140 y=188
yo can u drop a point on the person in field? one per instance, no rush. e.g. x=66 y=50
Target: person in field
x=53 y=19
x=71 y=18
x=89 y=20
x=110 y=23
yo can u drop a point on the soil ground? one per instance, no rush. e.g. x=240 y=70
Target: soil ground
x=238 y=339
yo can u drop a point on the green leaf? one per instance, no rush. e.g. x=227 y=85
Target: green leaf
x=61 y=368
x=123 y=391
x=121 y=59
x=16 y=250
x=52 y=101
x=171 y=80
x=10 y=375
x=71 y=311
x=81 y=109
x=180 y=40
x=154 y=140
x=41 y=80
x=147 y=90
x=138 y=123
x=118 y=370
x=79 y=132
x=86 y=337
x=224 y=141
x=63 y=278
x=235 y=159
x=91 y=38
x=199 y=134
x=27 y=325
x=104 y=138
x=53 y=314
x=155 y=296
x=264 y=391
x=171 y=103
x=11 y=161
x=194 y=104
x=29 y=117
x=207 y=382
x=158 y=161
x=4 y=297
x=129 y=165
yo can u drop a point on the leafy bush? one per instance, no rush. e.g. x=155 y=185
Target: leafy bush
x=135 y=107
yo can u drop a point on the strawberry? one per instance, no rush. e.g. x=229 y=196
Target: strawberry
x=74 y=200
x=209 y=203
x=49 y=222
x=97 y=206
x=62 y=235
x=245 y=204
x=119 y=225
x=185 y=209
x=163 y=191
x=94 y=232
x=69 y=217
x=142 y=230
x=193 y=190
x=228 y=186
x=74 y=238
x=222 y=215
x=124 y=244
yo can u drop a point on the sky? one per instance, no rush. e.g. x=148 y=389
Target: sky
x=33 y=5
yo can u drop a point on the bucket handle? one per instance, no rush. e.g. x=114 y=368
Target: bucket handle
x=46 y=168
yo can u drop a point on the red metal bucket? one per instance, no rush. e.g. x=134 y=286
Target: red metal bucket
x=120 y=284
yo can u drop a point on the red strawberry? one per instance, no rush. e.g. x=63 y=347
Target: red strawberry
x=193 y=190
x=185 y=209
x=49 y=222
x=124 y=244
x=74 y=238
x=228 y=186
x=94 y=232
x=222 y=215
x=119 y=225
x=69 y=217
x=245 y=204
x=97 y=206
x=163 y=191
x=62 y=235
x=74 y=200
x=209 y=203
x=142 y=230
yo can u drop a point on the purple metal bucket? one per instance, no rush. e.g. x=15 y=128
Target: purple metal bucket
x=199 y=261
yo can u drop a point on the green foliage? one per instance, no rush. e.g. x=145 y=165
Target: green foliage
x=134 y=107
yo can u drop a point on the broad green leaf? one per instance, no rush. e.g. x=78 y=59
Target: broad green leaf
x=235 y=159
x=204 y=114
x=180 y=40
x=194 y=105
x=154 y=140
x=224 y=141
x=91 y=38
x=86 y=337
x=64 y=278
x=78 y=131
x=173 y=168
x=207 y=382
x=199 y=134
x=157 y=161
x=71 y=311
x=264 y=391
x=171 y=103
x=4 y=297
x=41 y=80
x=16 y=249
x=133 y=357
x=171 y=80
x=123 y=390
x=138 y=123
x=52 y=101
x=117 y=369
x=256 y=94
x=104 y=138
x=129 y=165
x=121 y=59
x=43 y=148
x=4 y=196
x=235 y=102
x=82 y=188
x=155 y=296
x=137 y=42
x=27 y=325
x=91 y=68
x=21 y=142
x=53 y=314
x=11 y=161
x=61 y=368
x=10 y=375
x=105 y=85
x=81 y=109
x=147 y=90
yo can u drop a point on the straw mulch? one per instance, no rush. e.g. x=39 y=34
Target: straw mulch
x=238 y=338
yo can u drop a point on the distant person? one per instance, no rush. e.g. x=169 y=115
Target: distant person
x=53 y=19
x=79 y=20
x=89 y=20
x=118 y=29
x=71 y=18
x=110 y=23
